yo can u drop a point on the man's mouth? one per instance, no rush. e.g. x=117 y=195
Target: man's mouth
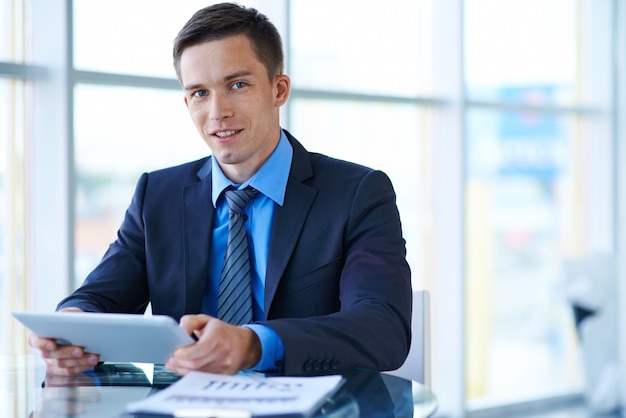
x=225 y=134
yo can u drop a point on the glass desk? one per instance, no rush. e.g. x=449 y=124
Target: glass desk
x=26 y=391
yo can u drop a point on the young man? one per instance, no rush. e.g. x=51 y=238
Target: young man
x=327 y=280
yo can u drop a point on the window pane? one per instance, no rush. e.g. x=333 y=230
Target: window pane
x=12 y=214
x=362 y=46
x=117 y=140
x=11 y=30
x=530 y=207
x=402 y=149
x=129 y=36
x=4 y=210
x=522 y=51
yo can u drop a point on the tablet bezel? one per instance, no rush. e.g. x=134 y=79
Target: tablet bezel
x=114 y=337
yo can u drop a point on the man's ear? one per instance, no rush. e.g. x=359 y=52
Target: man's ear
x=282 y=88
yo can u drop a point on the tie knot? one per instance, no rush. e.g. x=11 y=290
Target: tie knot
x=237 y=199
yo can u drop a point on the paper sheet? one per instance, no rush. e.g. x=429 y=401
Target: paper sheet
x=206 y=394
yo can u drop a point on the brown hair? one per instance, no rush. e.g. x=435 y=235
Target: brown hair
x=223 y=20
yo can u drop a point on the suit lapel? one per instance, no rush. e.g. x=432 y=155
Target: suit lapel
x=289 y=219
x=198 y=219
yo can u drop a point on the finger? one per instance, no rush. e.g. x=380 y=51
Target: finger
x=82 y=363
x=192 y=357
x=54 y=369
x=222 y=348
x=66 y=371
x=219 y=365
x=191 y=323
x=42 y=344
x=70 y=310
x=183 y=366
x=174 y=367
x=64 y=351
x=209 y=336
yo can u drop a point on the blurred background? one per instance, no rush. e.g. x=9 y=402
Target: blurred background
x=500 y=123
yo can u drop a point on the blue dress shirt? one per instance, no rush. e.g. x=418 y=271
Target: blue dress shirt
x=271 y=182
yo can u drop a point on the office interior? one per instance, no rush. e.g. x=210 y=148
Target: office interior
x=501 y=124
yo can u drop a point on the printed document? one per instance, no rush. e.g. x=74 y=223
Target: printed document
x=207 y=394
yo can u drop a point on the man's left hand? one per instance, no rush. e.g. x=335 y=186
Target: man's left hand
x=221 y=348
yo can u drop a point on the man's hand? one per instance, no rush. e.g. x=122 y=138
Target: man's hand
x=64 y=360
x=221 y=348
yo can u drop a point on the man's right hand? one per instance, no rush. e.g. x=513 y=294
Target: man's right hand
x=64 y=360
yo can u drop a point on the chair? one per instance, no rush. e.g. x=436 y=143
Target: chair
x=591 y=285
x=417 y=364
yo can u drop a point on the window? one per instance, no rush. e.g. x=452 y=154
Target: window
x=119 y=131
x=115 y=141
x=12 y=18
x=13 y=170
x=107 y=39
x=523 y=52
x=493 y=119
x=366 y=47
x=396 y=140
x=13 y=175
x=537 y=130
x=371 y=111
x=524 y=217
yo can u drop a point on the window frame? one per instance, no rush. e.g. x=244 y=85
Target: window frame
x=50 y=163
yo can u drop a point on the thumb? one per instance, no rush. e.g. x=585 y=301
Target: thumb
x=191 y=323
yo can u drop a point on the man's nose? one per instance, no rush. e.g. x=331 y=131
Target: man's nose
x=220 y=107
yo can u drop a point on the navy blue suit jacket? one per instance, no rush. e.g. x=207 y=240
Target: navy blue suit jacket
x=337 y=287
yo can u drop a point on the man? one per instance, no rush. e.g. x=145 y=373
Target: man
x=330 y=286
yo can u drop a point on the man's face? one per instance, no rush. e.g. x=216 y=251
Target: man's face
x=233 y=103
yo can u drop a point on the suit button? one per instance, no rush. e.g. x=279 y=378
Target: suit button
x=334 y=364
x=308 y=366
x=317 y=365
x=326 y=364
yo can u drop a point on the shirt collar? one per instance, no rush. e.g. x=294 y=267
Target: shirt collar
x=270 y=179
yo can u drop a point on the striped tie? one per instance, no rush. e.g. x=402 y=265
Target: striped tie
x=234 y=301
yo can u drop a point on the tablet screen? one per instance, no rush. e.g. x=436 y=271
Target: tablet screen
x=114 y=337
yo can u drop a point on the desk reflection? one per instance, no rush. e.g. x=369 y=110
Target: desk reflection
x=105 y=392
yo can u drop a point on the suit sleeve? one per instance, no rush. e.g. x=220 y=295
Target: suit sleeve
x=370 y=327
x=118 y=284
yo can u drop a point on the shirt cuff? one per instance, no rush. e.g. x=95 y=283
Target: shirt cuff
x=272 y=350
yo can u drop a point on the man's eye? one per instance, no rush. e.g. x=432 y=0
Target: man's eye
x=239 y=85
x=200 y=93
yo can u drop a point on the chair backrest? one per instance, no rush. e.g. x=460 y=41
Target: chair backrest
x=417 y=364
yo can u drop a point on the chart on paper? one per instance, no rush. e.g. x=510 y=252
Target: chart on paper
x=249 y=384
x=260 y=396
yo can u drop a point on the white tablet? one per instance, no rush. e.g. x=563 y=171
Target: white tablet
x=115 y=337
